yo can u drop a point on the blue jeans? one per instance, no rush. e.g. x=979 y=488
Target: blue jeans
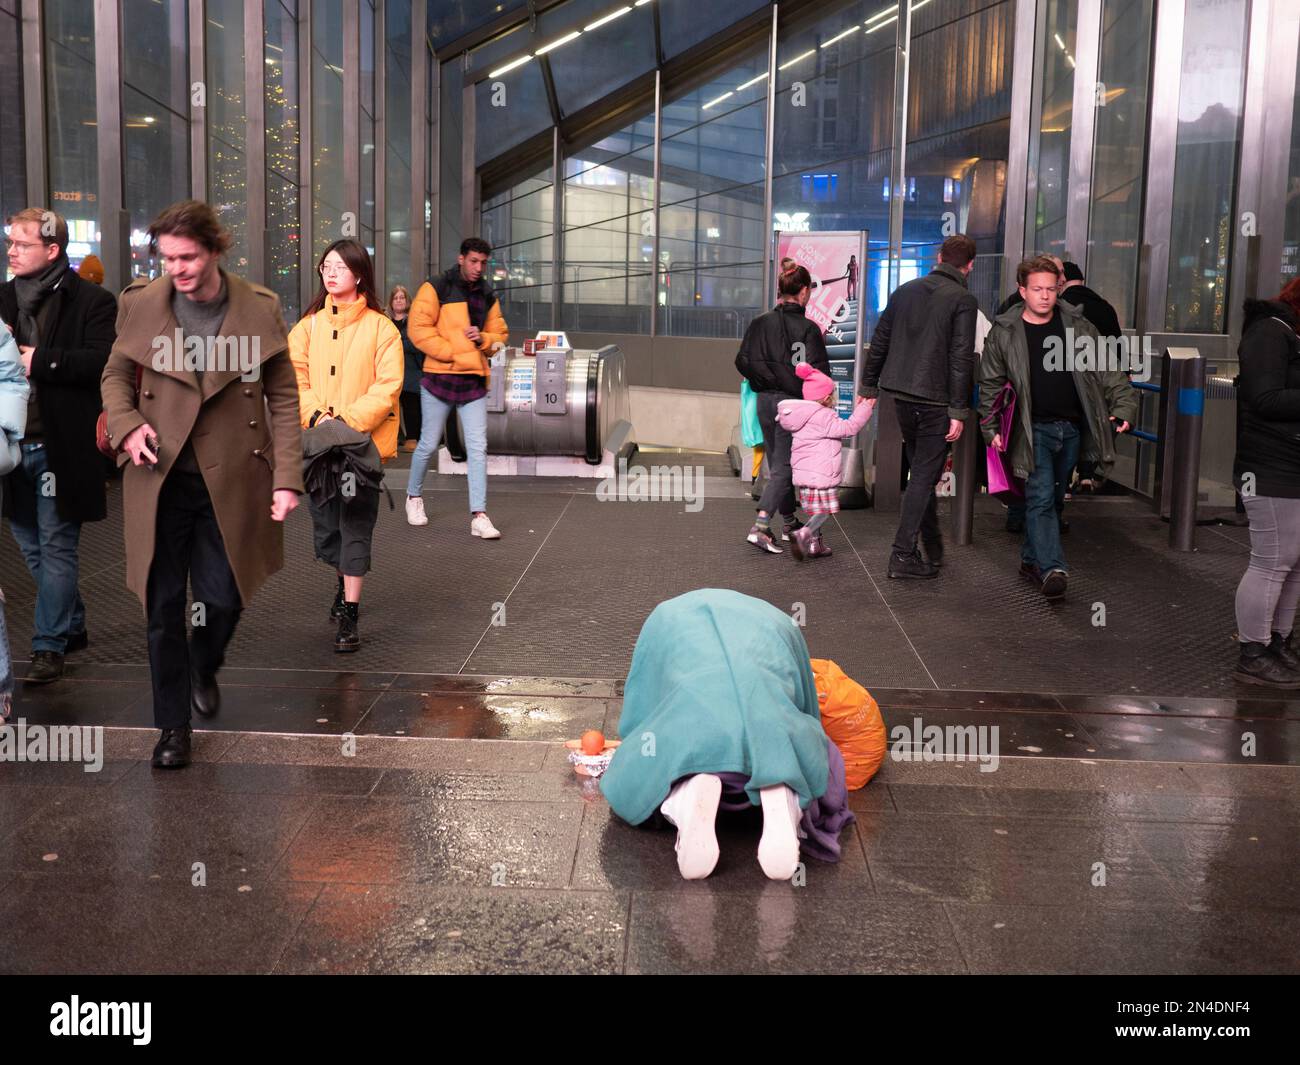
x=473 y=429
x=1056 y=451
x=49 y=547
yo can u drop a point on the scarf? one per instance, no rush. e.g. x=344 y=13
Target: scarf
x=32 y=293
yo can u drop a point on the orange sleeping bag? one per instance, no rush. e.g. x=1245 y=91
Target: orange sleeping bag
x=852 y=720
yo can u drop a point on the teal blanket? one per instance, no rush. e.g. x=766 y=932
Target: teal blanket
x=720 y=683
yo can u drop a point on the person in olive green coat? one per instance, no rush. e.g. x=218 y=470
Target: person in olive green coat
x=1071 y=395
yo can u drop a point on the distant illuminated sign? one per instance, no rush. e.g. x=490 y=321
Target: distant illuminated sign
x=795 y=222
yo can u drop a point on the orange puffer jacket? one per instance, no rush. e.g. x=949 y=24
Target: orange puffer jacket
x=438 y=320
x=348 y=359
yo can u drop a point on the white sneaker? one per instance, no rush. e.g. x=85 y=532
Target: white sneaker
x=415 y=511
x=778 y=849
x=692 y=806
x=482 y=527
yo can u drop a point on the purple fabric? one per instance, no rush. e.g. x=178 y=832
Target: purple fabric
x=823 y=820
x=455 y=388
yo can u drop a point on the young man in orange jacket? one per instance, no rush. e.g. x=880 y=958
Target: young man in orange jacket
x=456 y=321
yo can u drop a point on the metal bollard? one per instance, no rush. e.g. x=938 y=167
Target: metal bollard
x=1186 y=398
x=965 y=456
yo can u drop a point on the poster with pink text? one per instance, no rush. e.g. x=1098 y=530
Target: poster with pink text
x=832 y=259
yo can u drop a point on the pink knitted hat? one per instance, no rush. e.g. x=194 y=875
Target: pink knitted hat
x=816 y=385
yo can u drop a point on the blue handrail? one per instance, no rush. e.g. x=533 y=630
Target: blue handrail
x=1142 y=434
x=1145 y=386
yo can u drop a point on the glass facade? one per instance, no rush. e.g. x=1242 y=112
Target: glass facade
x=1049 y=144
x=71 y=132
x=834 y=133
x=598 y=245
x=283 y=227
x=1210 y=110
x=227 y=124
x=958 y=138
x=713 y=235
x=155 y=123
x=519 y=223
x=398 y=209
x=609 y=233
x=13 y=178
x=1119 y=153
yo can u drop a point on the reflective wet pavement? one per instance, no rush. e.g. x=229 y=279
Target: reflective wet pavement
x=1142 y=817
x=277 y=853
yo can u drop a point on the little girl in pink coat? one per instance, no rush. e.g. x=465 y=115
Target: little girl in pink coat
x=815 y=455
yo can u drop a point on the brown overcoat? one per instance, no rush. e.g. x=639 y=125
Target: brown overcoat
x=243 y=423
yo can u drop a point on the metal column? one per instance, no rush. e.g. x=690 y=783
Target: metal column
x=114 y=222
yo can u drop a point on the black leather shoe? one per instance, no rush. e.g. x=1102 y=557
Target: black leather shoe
x=911 y=567
x=77 y=642
x=336 y=611
x=347 y=638
x=1032 y=573
x=173 y=749
x=205 y=696
x=933 y=551
x=47 y=666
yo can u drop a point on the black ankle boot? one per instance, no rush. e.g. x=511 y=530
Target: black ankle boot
x=336 y=611
x=347 y=638
x=1280 y=647
x=1258 y=665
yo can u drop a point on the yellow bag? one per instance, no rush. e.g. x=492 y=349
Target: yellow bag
x=852 y=720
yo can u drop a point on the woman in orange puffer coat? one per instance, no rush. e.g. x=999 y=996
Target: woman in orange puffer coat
x=347 y=355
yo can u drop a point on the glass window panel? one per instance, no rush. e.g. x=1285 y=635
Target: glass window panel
x=156 y=169
x=71 y=133
x=685 y=23
x=227 y=163
x=13 y=175
x=397 y=167
x=602 y=59
x=282 y=116
x=832 y=150
x=1115 y=219
x=508 y=110
x=154 y=48
x=1205 y=164
x=449 y=19
x=609 y=233
x=958 y=135
x=519 y=223
x=713 y=235
x=1049 y=146
x=327 y=125
x=1291 y=224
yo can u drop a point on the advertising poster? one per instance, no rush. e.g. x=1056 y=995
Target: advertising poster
x=834 y=261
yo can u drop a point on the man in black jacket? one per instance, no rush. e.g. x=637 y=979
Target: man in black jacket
x=65 y=327
x=774 y=344
x=923 y=353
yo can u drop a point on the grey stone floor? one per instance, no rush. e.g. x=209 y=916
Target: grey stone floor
x=489 y=856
